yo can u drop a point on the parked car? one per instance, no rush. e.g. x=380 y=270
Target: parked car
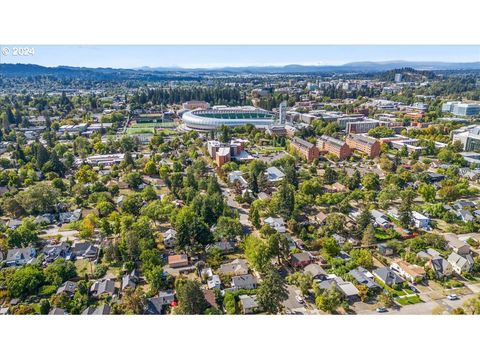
x=452 y=297
x=299 y=299
x=381 y=309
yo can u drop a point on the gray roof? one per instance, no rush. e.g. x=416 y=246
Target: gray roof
x=439 y=265
x=315 y=269
x=56 y=311
x=248 y=301
x=359 y=274
x=244 y=281
x=103 y=309
x=388 y=276
x=21 y=255
x=104 y=286
x=68 y=287
x=460 y=261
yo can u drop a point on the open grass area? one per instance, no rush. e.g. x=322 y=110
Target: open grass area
x=395 y=293
x=168 y=124
x=384 y=235
x=409 y=300
x=84 y=267
x=133 y=131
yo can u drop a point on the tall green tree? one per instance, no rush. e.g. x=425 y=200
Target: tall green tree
x=272 y=292
x=191 y=300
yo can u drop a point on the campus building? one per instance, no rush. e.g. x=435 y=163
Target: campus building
x=461 y=109
x=328 y=144
x=304 y=148
x=358 y=127
x=366 y=144
x=469 y=136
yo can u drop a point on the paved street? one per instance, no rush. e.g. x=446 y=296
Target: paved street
x=424 y=308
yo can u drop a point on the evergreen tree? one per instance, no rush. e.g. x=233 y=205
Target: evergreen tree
x=291 y=174
x=368 y=236
x=42 y=155
x=285 y=199
x=405 y=208
x=253 y=183
x=330 y=175
x=254 y=217
x=272 y=291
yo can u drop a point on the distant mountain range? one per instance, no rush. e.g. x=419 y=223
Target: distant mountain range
x=365 y=66
x=154 y=73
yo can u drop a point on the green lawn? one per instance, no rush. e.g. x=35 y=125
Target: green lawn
x=408 y=300
x=384 y=235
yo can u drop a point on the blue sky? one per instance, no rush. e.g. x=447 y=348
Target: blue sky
x=131 y=56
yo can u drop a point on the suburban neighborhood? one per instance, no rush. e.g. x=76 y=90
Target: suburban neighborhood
x=155 y=193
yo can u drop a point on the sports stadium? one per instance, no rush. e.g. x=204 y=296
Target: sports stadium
x=210 y=119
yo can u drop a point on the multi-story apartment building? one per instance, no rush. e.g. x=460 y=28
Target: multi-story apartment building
x=328 y=144
x=304 y=148
x=366 y=144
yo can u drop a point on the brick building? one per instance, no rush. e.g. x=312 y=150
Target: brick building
x=304 y=148
x=328 y=144
x=366 y=144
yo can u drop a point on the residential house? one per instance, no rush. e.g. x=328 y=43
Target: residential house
x=236 y=267
x=130 y=280
x=459 y=246
x=465 y=215
x=84 y=250
x=170 y=238
x=53 y=252
x=20 y=256
x=44 y=219
x=274 y=174
x=237 y=176
x=460 y=264
x=347 y=289
x=336 y=187
x=176 y=261
x=156 y=305
x=57 y=311
x=388 y=276
x=340 y=240
x=103 y=309
x=68 y=287
x=421 y=221
x=380 y=219
x=70 y=216
x=316 y=271
x=384 y=249
x=214 y=282
x=103 y=287
x=441 y=267
x=276 y=223
x=364 y=277
x=300 y=259
x=413 y=273
x=248 y=304
x=321 y=217
x=247 y=282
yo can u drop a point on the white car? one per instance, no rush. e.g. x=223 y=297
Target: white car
x=452 y=297
x=299 y=299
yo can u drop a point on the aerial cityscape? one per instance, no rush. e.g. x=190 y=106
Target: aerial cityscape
x=220 y=180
